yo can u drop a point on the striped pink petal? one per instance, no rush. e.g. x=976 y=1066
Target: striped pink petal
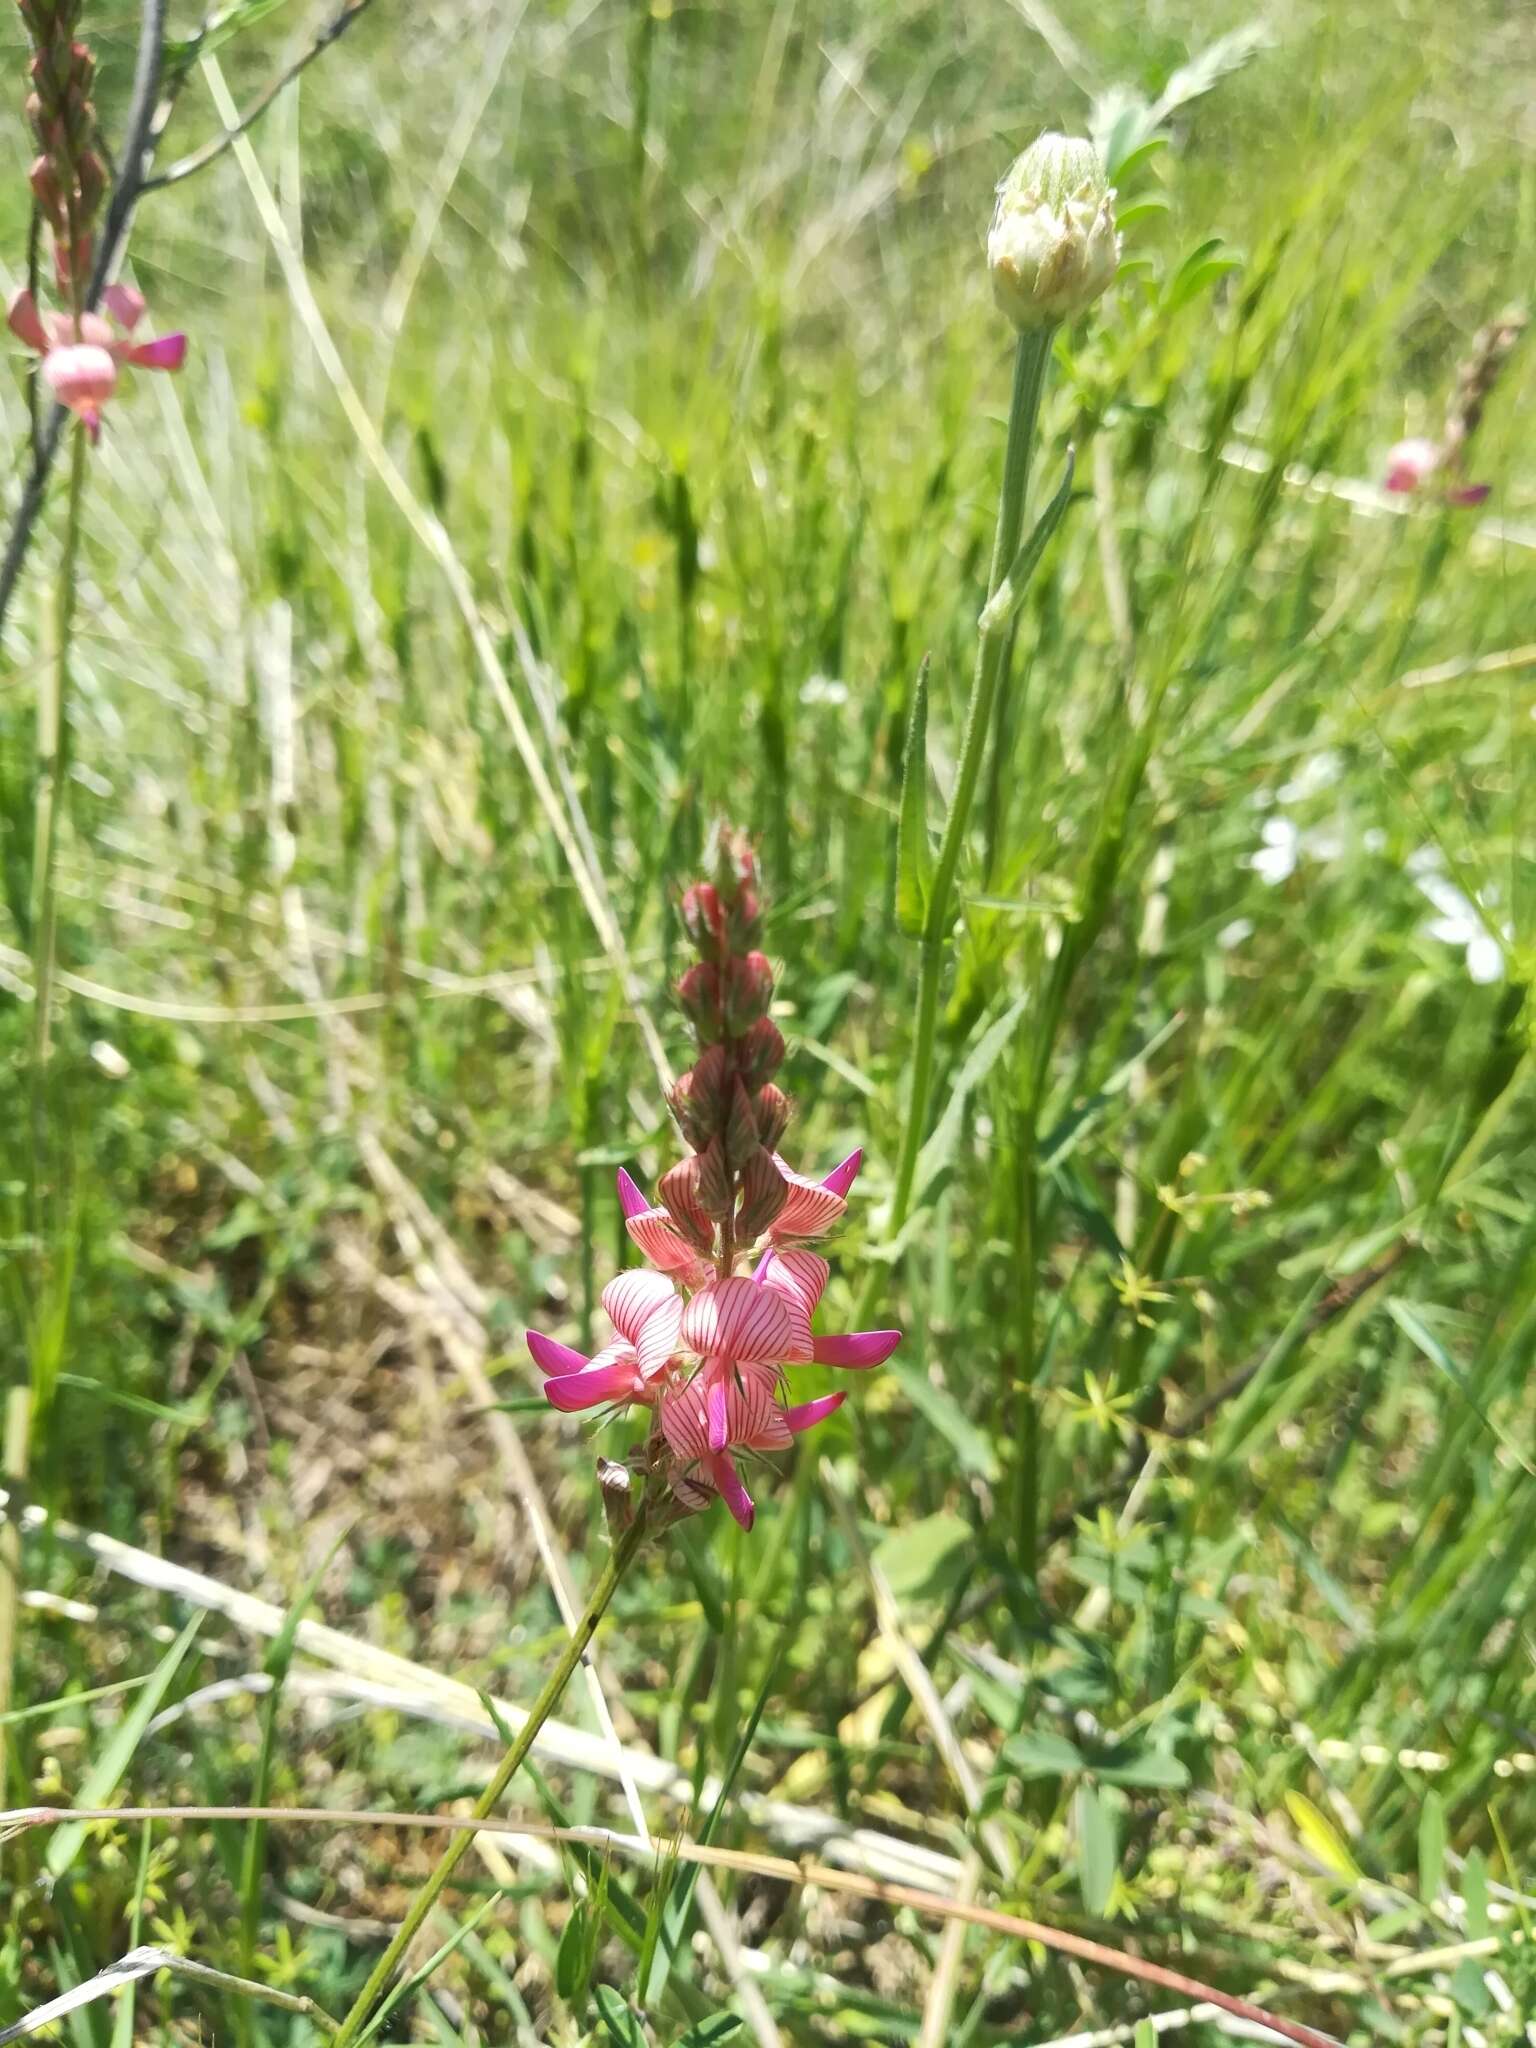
x=800 y=1276
x=645 y=1307
x=809 y=1208
x=736 y=1497
x=842 y=1177
x=664 y=1245
x=808 y=1413
x=551 y=1357
x=859 y=1349
x=755 y=1414
x=733 y=1319
x=716 y=1425
x=617 y=1380
x=631 y=1201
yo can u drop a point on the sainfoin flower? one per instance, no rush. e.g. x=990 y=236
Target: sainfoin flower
x=700 y=1344
x=81 y=356
x=1419 y=466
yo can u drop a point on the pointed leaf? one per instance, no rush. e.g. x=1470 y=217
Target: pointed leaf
x=1097 y=1853
x=1431 y=1846
x=1322 y=1838
x=1009 y=595
x=1042 y=1754
x=105 y=1775
x=914 y=856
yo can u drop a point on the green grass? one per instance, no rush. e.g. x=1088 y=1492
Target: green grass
x=677 y=321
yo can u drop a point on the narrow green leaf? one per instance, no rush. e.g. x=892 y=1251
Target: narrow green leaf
x=1009 y=595
x=724 y=2026
x=1431 y=1846
x=105 y=1775
x=619 y=2023
x=1097 y=1853
x=914 y=856
x=1419 y=1334
x=1474 y=1890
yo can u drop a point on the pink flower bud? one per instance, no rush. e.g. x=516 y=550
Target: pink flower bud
x=748 y=991
x=699 y=994
x=770 y=1109
x=760 y=1053
x=704 y=918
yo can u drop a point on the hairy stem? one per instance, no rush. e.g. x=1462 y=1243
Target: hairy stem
x=367 y=1999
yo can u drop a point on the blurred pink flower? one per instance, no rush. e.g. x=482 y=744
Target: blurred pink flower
x=1419 y=465
x=81 y=357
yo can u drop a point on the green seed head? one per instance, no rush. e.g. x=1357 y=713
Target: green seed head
x=1053 y=247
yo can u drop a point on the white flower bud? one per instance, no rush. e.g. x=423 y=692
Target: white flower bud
x=1053 y=248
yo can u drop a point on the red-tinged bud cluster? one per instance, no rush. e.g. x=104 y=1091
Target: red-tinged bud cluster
x=67 y=178
x=726 y=1105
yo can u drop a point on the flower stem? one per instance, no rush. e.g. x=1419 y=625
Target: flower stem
x=1029 y=371
x=618 y=1561
x=52 y=733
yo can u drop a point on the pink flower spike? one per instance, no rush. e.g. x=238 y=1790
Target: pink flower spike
x=595 y=1386
x=166 y=352
x=858 y=1351
x=551 y=1357
x=631 y=1201
x=728 y=1484
x=842 y=1178
x=24 y=321
x=1410 y=464
x=809 y=1413
x=737 y=1321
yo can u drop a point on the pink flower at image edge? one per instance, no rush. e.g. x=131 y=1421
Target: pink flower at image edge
x=81 y=358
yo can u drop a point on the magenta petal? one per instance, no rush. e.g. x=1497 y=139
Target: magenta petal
x=760 y=1274
x=842 y=1178
x=728 y=1483
x=166 y=352
x=124 y=304
x=551 y=1357
x=631 y=1201
x=575 y=1390
x=714 y=1409
x=1468 y=494
x=809 y=1413
x=24 y=321
x=860 y=1349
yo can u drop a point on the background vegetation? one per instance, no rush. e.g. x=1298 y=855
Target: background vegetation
x=674 y=328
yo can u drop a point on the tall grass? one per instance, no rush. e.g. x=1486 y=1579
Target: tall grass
x=1217 y=1247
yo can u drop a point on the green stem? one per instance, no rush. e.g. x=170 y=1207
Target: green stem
x=1029 y=370
x=618 y=1561
x=52 y=712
